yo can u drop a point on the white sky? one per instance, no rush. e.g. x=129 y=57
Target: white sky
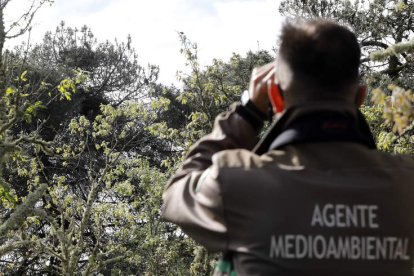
x=220 y=27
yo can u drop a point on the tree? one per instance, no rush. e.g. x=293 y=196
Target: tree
x=209 y=91
x=21 y=187
x=21 y=25
x=114 y=71
x=114 y=74
x=87 y=158
x=15 y=107
x=378 y=24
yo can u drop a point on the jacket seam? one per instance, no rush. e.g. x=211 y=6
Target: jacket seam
x=221 y=182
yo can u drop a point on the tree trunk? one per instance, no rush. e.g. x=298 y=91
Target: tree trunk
x=2 y=40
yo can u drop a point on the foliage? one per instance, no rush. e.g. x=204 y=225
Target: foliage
x=15 y=108
x=378 y=24
x=98 y=196
x=394 y=50
x=114 y=75
x=209 y=91
x=101 y=208
x=397 y=119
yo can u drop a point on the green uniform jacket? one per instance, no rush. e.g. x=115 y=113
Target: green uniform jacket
x=308 y=208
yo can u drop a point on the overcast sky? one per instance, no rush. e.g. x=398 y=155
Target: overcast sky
x=220 y=27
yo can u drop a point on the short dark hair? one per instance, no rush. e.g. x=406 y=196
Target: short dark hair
x=323 y=52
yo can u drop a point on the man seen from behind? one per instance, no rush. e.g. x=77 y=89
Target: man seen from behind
x=313 y=197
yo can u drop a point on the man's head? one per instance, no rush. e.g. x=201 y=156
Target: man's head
x=318 y=60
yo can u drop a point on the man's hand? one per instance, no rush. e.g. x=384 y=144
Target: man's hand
x=260 y=83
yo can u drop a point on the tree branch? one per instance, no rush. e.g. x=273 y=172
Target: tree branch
x=374 y=43
x=4 y=249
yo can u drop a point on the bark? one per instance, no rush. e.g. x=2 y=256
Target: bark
x=2 y=40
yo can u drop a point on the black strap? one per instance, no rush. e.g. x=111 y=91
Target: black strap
x=321 y=126
x=252 y=114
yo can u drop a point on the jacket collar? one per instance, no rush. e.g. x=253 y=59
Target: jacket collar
x=321 y=121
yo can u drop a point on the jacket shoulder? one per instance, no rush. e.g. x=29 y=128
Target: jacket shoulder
x=241 y=158
x=398 y=160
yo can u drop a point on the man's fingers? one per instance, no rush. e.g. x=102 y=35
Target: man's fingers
x=262 y=74
x=258 y=88
x=262 y=69
x=264 y=77
x=270 y=75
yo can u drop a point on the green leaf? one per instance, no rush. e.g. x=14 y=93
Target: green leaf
x=10 y=91
x=23 y=76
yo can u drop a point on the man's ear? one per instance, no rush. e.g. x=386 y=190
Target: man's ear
x=361 y=94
